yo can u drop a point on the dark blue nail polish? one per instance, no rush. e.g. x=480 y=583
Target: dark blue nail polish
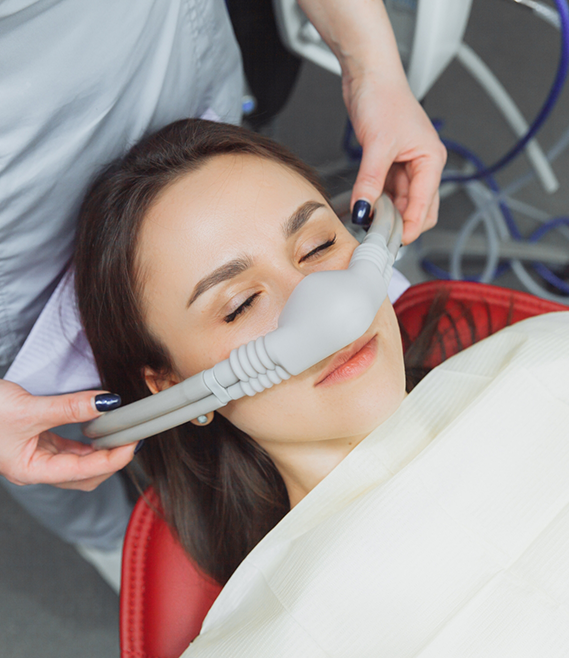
x=361 y=212
x=107 y=401
x=139 y=446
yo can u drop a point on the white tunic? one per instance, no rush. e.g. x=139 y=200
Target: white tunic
x=80 y=82
x=445 y=533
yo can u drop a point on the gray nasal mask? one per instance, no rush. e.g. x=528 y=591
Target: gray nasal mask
x=326 y=312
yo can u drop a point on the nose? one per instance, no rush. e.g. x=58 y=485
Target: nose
x=291 y=279
x=328 y=310
x=294 y=274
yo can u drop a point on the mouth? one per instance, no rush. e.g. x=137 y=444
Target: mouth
x=351 y=362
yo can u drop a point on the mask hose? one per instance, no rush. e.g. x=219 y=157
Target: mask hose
x=327 y=311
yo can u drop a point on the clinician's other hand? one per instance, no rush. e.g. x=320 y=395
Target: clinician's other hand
x=30 y=454
x=401 y=150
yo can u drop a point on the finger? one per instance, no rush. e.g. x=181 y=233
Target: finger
x=430 y=221
x=84 y=485
x=433 y=214
x=397 y=186
x=71 y=467
x=53 y=410
x=46 y=443
x=374 y=166
x=51 y=442
x=423 y=190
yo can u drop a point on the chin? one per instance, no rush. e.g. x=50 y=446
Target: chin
x=371 y=411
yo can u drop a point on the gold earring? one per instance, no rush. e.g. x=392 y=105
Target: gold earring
x=203 y=420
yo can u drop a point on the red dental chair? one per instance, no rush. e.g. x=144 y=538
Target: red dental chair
x=164 y=598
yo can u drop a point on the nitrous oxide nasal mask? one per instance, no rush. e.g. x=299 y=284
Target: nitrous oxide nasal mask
x=327 y=311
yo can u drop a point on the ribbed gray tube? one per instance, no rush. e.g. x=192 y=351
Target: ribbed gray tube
x=159 y=424
x=178 y=396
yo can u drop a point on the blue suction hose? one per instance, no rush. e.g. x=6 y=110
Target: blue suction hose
x=551 y=100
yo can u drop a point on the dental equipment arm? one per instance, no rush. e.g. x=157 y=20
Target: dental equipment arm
x=326 y=311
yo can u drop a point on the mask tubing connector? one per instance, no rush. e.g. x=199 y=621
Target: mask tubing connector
x=245 y=360
x=265 y=381
x=261 y=351
x=236 y=366
x=215 y=387
x=253 y=357
x=254 y=368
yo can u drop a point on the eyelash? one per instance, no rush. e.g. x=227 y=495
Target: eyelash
x=321 y=247
x=249 y=301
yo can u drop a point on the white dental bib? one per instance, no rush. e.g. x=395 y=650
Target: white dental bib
x=445 y=533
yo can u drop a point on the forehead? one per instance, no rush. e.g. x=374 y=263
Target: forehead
x=233 y=203
x=230 y=196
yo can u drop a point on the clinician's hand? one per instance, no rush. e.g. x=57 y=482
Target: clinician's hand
x=401 y=149
x=30 y=454
x=402 y=153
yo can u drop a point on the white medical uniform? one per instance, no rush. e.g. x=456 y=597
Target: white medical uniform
x=80 y=82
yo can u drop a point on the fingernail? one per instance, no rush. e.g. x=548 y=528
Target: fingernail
x=139 y=446
x=361 y=212
x=107 y=401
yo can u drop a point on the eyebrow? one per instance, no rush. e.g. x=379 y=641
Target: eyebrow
x=238 y=265
x=223 y=273
x=299 y=217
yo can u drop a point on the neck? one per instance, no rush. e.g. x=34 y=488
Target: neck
x=303 y=465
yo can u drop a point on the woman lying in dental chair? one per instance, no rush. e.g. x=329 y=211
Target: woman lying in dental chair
x=346 y=514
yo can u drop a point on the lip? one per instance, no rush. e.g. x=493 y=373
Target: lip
x=350 y=362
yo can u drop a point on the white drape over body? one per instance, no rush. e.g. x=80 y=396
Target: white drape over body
x=444 y=533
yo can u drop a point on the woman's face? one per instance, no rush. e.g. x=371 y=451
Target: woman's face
x=219 y=253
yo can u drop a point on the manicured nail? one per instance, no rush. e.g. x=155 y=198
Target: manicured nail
x=107 y=401
x=139 y=446
x=361 y=212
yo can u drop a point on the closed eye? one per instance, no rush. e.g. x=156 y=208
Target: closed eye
x=248 y=302
x=321 y=247
x=251 y=300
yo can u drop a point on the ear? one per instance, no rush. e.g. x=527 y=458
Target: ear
x=157 y=382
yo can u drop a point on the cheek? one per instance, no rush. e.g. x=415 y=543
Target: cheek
x=205 y=348
x=275 y=413
x=298 y=411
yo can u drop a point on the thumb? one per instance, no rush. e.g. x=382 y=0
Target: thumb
x=53 y=410
x=372 y=174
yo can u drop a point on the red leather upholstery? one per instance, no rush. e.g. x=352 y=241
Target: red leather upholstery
x=164 y=599
x=489 y=307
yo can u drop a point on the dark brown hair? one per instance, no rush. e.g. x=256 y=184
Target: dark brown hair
x=220 y=492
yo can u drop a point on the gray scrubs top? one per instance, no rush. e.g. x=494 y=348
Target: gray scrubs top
x=80 y=82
